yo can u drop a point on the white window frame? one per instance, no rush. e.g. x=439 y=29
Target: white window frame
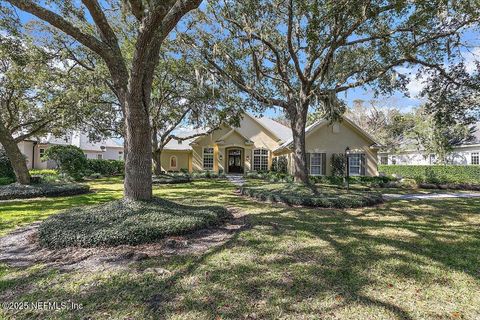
x=262 y=165
x=41 y=153
x=176 y=162
x=208 y=154
x=350 y=157
x=320 y=165
x=477 y=156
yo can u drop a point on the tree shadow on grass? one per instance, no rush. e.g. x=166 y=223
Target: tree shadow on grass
x=293 y=263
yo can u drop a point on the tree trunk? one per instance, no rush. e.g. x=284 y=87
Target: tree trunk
x=298 y=121
x=17 y=159
x=157 y=162
x=138 y=149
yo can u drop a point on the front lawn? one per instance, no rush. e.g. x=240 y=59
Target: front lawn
x=399 y=260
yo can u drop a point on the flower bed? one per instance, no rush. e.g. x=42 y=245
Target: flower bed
x=19 y=191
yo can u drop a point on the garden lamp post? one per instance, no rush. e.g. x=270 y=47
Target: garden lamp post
x=347 y=152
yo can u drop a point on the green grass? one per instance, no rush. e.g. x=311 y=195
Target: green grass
x=400 y=260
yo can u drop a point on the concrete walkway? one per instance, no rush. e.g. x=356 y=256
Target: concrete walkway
x=429 y=196
x=236 y=179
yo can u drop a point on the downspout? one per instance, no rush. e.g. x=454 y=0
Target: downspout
x=33 y=154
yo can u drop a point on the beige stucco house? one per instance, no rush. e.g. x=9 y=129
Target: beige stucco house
x=253 y=145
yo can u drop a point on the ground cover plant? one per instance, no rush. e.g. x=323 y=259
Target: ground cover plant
x=42 y=189
x=399 y=260
x=311 y=196
x=126 y=222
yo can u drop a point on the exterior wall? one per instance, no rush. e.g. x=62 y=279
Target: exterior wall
x=460 y=156
x=325 y=140
x=249 y=129
x=26 y=147
x=183 y=158
x=108 y=154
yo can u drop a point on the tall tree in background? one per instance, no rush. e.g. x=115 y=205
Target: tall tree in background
x=88 y=22
x=296 y=54
x=39 y=93
x=181 y=95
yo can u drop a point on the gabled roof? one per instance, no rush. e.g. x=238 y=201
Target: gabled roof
x=234 y=130
x=281 y=131
x=278 y=130
x=320 y=123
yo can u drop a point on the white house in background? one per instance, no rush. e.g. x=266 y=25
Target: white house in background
x=465 y=154
x=34 y=149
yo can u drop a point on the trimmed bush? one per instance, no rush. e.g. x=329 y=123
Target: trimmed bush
x=19 y=191
x=106 y=167
x=207 y=175
x=436 y=174
x=47 y=175
x=69 y=159
x=6 y=170
x=126 y=222
x=294 y=194
x=171 y=179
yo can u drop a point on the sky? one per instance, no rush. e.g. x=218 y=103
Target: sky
x=398 y=100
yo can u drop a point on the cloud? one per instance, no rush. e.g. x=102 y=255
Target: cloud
x=416 y=84
x=470 y=58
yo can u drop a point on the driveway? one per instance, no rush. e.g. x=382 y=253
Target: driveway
x=429 y=196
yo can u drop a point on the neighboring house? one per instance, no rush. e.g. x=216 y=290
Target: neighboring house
x=465 y=154
x=253 y=145
x=34 y=149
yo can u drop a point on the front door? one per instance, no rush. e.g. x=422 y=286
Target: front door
x=235 y=161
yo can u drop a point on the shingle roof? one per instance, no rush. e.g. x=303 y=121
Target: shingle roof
x=283 y=132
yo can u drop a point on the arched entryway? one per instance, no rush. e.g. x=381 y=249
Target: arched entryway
x=235 y=160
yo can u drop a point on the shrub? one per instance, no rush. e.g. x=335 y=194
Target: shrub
x=435 y=173
x=47 y=175
x=69 y=159
x=171 y=179
x=280 y=164
x=126 y=222
x=207 y=175
x=6 y=170
x=106 y=167
x=19 y=191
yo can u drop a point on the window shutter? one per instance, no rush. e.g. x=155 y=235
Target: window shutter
x=308 y=163
x=324 y=164
x=363 y=164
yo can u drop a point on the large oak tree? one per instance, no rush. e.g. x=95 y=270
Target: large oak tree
x=89 y=23
x=301 y=54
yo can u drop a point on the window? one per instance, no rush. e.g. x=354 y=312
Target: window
x=99 y=156
x=432 y=158
x=315 y=163
x=383 y=159
x=173 y=162
x=354 y=164
x=42 y=153
x=475 y=159
x=208 y=158
x=260 y=160
x=394 y=160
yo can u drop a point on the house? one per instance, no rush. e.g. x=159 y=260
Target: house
x=34 y=149
x=464 y=154
x=253 y=145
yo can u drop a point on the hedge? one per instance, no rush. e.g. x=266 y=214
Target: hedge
x=435 y=173
x=106 y=167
